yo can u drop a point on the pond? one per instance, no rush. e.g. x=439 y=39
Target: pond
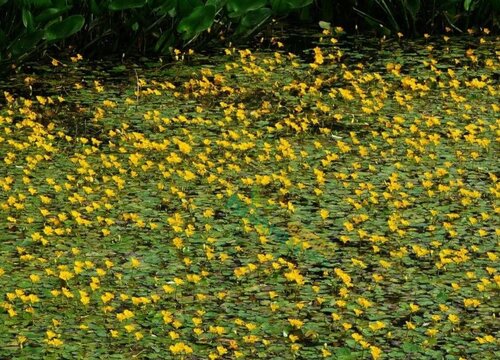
x=337 y=202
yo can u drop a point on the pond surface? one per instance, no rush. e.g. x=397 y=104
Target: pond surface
x=340 y=202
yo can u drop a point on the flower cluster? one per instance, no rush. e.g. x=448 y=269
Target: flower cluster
x=261 y=207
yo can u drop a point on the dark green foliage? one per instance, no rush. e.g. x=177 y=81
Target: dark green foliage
x=158 y=26
x=410 y=16
x=200 y=19
x=122 y=25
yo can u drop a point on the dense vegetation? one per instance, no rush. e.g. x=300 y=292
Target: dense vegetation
x=259 y=205
x=159 y=26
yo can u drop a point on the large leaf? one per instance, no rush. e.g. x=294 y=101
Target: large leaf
x=118 y=5
x=40 y=4
x=96 y=8
x=242 y=6
x=256 y=17
x=3 y=2
x=252 y=21
x=186 y=7
x=166 y=6
x=64 y=28
x=285 y=6
x=25 y=44
x=217 y=3
x=199 y=20
x=50 y=14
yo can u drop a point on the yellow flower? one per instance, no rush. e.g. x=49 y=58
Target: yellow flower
x=294 y=275
x=432 y=332
x=106 y=297
x=453 y=318
x=296 y=323
x=375 y=352
x=374 y=326
x=471 y=302
x=135 y=262
x=486 y=339
x=66 y=275
x=410 y=325
x=126 y=314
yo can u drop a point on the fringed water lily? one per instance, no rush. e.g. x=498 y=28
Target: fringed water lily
x=266 y=205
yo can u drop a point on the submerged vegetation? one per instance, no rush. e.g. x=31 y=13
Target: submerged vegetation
x=261 y=205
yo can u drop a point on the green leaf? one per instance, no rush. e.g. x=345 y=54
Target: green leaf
x=65 y=28
x=40 y=4
x=186 y=7
x=27 y=19
x=325 y=25
x=217 y=3
x=166 y=6
x=343 y=353
x=25 y=43
x=413 y=7
x=50 y=13
x=165 y=41
x=410 y=347
x=95 y=7
x=297 y=4
x=243 y=6
x=199 y=20
x=285 y=6
x=255 y=17
x=118 y=5
x=467 y=4
x=280 y=6
x=3 y=2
